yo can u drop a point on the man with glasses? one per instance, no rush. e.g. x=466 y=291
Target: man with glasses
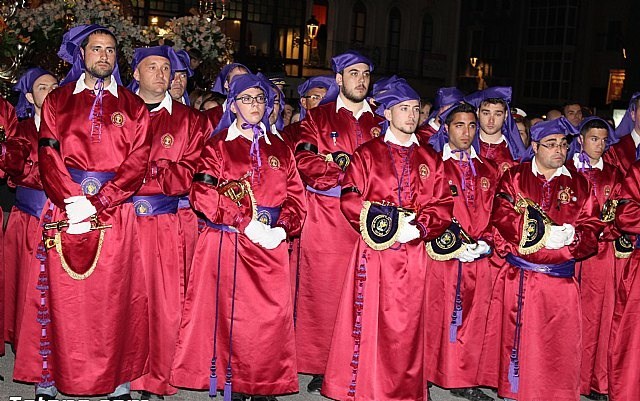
x=545 y=220
x=329 y=135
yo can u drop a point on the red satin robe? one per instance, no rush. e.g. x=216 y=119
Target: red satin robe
x=456 y=365
x=99 y=325
x=597 y=277
x=327 y=239
x=263 y=348
x=291 y=135
x=390 y=363
x=624 y=349
x=426 y=131
x=214 y=115
x=22 y=236
x=9 y=122
x=622 y=154
x=550 y=345
x=499 y=153
x=177 y=141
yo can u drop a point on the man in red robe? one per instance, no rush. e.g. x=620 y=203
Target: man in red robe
x=394 y=196
x=93 y=154
x=545 y=220
x=178 y=133
x=626 y=141
x=329 y=135
x=460 y=278
x=221 y=86
x=445 y=98
x=23 y=234
x=597 y=274
x=237 y=327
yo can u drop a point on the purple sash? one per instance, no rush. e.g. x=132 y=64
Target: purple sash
x=30 y=200
x=266 y=215
x=184 y=203
x=333 y=192
x=90 y=181
x=154 y=205
x=560 y=270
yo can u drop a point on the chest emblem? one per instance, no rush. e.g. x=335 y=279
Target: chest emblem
x=505 y=166
x=565 y=195
x=607 y=191
x=485 y=184
x=375 y=132
x=167 y=140
x=423 y=170
x=142 y=207
x=117 y=119
x=274 y=163
x=90 y=186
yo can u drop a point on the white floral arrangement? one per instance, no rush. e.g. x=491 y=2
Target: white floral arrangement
x=202 y=33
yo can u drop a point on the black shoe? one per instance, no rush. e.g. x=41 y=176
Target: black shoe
x=44 y=397
x=597 y=396
x=263 y=398
x=315 y=385
x=145 y=395
x=121 y=397
x=238 y=397
x=471 y=394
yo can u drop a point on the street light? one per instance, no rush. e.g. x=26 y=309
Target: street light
x=312 y=27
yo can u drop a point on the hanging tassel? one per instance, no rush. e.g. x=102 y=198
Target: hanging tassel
x=213 y=380
x=227 y=391
x=514 y=372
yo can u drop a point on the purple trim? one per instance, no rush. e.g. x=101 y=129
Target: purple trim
x=30 y=201
x=560 y=270
x=332 y=192
x=154 y=205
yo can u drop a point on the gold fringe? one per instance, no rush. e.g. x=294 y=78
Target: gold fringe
x=523 y=237
x=365 y=235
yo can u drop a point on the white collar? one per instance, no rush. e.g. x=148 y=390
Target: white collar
x=166 y=103
x=635 y=137
x=389 y=137
x=234 y=132
x=432 y=123
x=275 y=132
x=576 y=161
x=560 y=171
x=80 y=86
x=36 y=120
x=447 y=153
x=365 y=107
x=502 y=139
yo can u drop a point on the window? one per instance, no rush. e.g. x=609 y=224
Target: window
x=359 y=23
x=393 y=57
x=426 y=44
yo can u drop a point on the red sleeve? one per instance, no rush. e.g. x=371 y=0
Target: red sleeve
x=504 y=218
x=628 y=211
x=314 y=168
x=30 y=177
x=12 y=152
x=295 y=205
x=356 y=184
x=435 y=203
x=588 y=228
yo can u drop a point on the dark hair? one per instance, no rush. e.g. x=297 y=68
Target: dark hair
x=85 y=41
x=461 y=108
x=494 y=100
x=600 y=124
x=570 y=103
x=195 y=53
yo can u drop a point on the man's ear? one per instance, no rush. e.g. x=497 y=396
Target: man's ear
x=232 y=107
x=29 y=97
x=339 y=79
x=136 y=75
x=387 y=114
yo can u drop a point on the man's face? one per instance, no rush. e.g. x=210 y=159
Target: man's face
x=635 y=116
x=178 y=85
x=462 y=130
x=491 y=118
x=354 y=82
x=233 y=73
x=594 y=142
x=153 y=73
x=273 y=117
x=522 y=129
x=551 y=151
x=100 y=55
x=404 y=116
x=573 y=113
x=313 y=97
x=41 y=88
x=424 y=113
x=252 y=111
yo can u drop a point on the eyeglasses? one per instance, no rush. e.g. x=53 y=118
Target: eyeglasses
x=246 y=99
x=315 y=98
x=554 y=145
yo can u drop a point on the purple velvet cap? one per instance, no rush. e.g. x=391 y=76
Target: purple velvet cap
x=70 y=52
x=626 y=125
x=239 y=84
x=447 y=96
x=350 y=57
x=275 y=90
x=24 y=109
x=392 y=91
x=327 y=82
x=218 y=85
x=441 y=137
x=575 y=146
x=184 y=62
x=141 y=53
x=558 y=126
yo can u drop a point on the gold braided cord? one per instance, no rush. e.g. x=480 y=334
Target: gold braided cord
x=65 y=264
x=365 y=234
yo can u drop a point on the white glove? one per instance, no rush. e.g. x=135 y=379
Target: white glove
x=408 y=232
x=467 y=255
x=478 y=249
x=79 y=208
x=79 y=228
x=273 y=237
x=557 y=237
x=255 y=231
x=569 y=233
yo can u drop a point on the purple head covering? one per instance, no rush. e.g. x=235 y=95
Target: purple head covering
x=441 y=137
x=389 y=93
x=558 y=126
x=323 y=81
x=70 y=52
x=218 y=85
x=444 y=97
x=350 y=57
x=509 y=128
x=184 y=64
x=143 y=52
x=272 y=97
x=576 y=147
x=626 y=125
x=24 y=109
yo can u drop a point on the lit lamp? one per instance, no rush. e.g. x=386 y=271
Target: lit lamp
x=473 y=61
x=154 y=20
x=312 y=27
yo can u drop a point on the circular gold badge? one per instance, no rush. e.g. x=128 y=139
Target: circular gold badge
x=504 y=166
x=274 y=163
x=446 y=240
x=423 y=170
x=607 y=191
x=485 y=184
x=375 y=132
x=117 y=119
x=167 y=140
x=381 y=225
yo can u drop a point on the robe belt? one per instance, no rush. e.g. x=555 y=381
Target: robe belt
x=30 y=200
x=154 y=205
x=560 y=270
x=183 y=202
x=334 y=192
x=266 y=215
x=637 y=243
